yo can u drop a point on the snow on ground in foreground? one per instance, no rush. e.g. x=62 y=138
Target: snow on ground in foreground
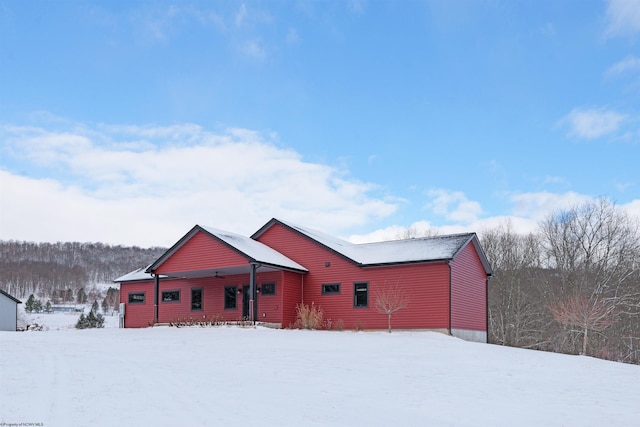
x=232 y=376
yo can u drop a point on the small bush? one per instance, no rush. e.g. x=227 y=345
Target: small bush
x=339 y=325
x=309 y=316
x=90 y=321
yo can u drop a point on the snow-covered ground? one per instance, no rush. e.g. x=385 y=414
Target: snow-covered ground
x=59 y=321
x=262 y=377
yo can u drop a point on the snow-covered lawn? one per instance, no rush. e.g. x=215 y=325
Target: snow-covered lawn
x=262 y=377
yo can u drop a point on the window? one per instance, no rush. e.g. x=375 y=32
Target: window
x=170 y=296
x=331 y=288
x=230 y=295
x=268 y=288
x=136 y=298
x=196 y=299
x=360 y=294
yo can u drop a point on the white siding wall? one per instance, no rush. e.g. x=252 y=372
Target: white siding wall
x=8 y=309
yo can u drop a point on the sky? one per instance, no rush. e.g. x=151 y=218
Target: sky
x=130 y=122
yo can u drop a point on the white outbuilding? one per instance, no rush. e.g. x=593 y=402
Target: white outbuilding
x=8 y=312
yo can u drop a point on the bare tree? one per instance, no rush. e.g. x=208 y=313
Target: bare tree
x=516 y=317
x=413 y=233
x=594 y=250
x=584 y=313
x=390 y=300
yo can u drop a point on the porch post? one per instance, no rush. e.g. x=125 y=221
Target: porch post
x=253 y=308
x=156 y=291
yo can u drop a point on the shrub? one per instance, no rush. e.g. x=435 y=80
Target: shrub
x=90 y=321
x=309 y=316
x=358 y=325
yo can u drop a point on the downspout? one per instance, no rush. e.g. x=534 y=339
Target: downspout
x=486 y=300
x=450 y=294
x=156 y=292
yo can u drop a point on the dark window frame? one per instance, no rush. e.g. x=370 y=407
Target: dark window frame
x=201 y=297
x=227 y=292
x=327 y=291
x=264 y=288
x=168 y=292
x=357 y=285
x=144 y=297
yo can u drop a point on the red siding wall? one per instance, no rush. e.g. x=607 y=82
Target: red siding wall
x=270 y=307
x=292 y=296
x=137 y=315
x=201 y=252
x=468 y=291
x=426 y=284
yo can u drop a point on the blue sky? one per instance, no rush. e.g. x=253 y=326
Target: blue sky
x=129 y=122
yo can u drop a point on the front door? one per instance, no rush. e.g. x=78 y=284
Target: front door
x=245 y=301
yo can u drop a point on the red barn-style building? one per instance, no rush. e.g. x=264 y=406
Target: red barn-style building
x=211 y=273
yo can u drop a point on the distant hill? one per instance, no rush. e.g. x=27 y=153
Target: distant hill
x=47 y=268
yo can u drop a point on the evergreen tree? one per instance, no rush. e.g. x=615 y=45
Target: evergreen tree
x=95 y=307
x=90 y=321
x=37 y=306
x=29 y=304
x=82 y=322
x=47 y=307
x=69 y=295
x=105 y=306
x=81 y=296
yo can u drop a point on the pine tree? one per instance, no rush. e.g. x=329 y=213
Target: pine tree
x=28 y=306
x=37 y=306
x=95 y=307
x=105 y=306
x=81 y=296
x=47 y=307
x=82 y=322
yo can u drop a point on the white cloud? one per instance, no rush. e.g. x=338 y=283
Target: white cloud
x=623 y=18
x=527 y=210
x=254 y=49
x=293 y=38
x=454 y=206
x=241 y=15
x=629 y=64
x=592 y=123
x=536 y=206
x=147 y=186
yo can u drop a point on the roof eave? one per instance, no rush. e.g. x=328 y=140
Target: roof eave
x=391 y=264
x=483 y=258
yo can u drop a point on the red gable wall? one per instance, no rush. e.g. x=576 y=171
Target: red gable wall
x=201 y=252
x=468 y=291
x=427 y=285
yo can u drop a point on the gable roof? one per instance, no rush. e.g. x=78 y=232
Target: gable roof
x=10 y=297
x=254 y=251
x=424 y=249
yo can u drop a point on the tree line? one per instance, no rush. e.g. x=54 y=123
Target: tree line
x=57 y=271
x=572 y=286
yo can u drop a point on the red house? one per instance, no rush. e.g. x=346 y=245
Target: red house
x=213 y=273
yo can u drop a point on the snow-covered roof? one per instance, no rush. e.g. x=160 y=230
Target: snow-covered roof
x=136 y=276
x=389 y=252
x=10 y=297
x=258 y=252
